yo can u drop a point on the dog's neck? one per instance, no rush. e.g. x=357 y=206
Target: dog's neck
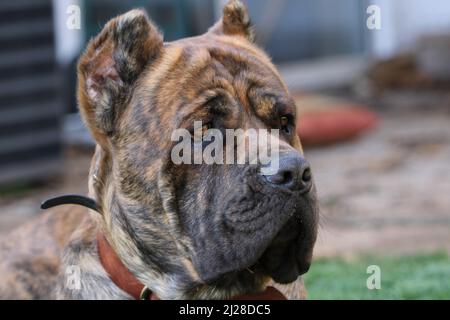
x=126 y=281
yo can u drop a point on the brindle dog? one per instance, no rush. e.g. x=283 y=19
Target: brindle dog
x=185 y=231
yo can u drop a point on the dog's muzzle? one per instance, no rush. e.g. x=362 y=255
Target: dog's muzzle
x=270 y=230
x=290 y=252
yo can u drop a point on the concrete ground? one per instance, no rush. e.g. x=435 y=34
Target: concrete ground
x=387 y=192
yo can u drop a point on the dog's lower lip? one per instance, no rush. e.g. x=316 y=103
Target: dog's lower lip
x=291 y=273
x=303 y=267
x=287 y=274
x=289 y=270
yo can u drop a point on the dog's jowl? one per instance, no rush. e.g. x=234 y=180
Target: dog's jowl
x=184 y=231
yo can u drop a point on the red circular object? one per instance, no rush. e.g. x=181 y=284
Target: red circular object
x=334 y=125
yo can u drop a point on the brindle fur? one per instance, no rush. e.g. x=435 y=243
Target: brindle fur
x=134 y=90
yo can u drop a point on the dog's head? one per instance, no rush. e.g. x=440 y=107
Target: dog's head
x=199 y=230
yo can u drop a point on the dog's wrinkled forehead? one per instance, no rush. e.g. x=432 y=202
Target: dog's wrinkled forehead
x=195 y=70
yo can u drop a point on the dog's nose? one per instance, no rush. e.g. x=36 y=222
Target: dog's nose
x=294 y=173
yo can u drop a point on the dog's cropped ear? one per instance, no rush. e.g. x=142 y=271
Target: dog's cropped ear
x=110 y=65
x=235 y=21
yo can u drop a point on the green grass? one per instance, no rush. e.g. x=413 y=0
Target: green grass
x=405 y=277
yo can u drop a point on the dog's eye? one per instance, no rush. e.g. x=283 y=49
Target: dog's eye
x=205 y=128
x=198 y=135
x=286 y=123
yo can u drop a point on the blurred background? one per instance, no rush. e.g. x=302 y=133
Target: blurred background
x=374 y=116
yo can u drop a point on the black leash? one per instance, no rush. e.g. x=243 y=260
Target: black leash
x=71 y=199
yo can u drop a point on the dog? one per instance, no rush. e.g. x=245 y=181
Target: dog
x=178 y=231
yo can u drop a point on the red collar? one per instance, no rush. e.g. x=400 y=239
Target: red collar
x=119 y=273
x=126 y=281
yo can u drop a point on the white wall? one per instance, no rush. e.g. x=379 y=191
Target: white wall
x=404 y=21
